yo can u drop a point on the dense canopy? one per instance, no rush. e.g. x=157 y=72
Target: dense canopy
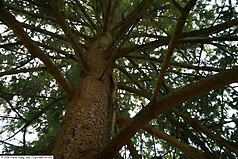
x=173 y=67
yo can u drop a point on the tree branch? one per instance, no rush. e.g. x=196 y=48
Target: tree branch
x=196 y=124
x=22 y=10
x=177 y=64
x=38 y=29
x=132 y=149
x=185 y=37
x=107 y=14
x=182 y=130
x=134 y=90
x=193 y=122
x=124 y=71
x=211 y=30
x=123 y=26
x=165 y=104
x=88 y=18
x=188 y=150
x=69 y=34
x=172 y=44
x=8 y=99
x=24 y=70
x=32 y=47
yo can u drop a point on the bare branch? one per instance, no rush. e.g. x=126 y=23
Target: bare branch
x=38 y=29
x=124 y=71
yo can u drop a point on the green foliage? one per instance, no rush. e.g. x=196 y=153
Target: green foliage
x=30 y=97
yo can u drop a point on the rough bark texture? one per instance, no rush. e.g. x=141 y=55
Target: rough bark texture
x=86 y=126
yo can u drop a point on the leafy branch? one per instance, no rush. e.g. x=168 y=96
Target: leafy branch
x=34 y=50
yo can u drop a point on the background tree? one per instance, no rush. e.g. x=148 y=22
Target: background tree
x=104 y=79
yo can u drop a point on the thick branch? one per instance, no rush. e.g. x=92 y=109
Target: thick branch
x=208 y=40
x=132 y=150
x=10 y=20
x=107 y=10
x=193 y=122
x=167 y=103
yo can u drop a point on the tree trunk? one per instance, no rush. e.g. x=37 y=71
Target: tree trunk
x=86 y=127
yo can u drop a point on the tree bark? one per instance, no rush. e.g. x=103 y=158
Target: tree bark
x=86 y=127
